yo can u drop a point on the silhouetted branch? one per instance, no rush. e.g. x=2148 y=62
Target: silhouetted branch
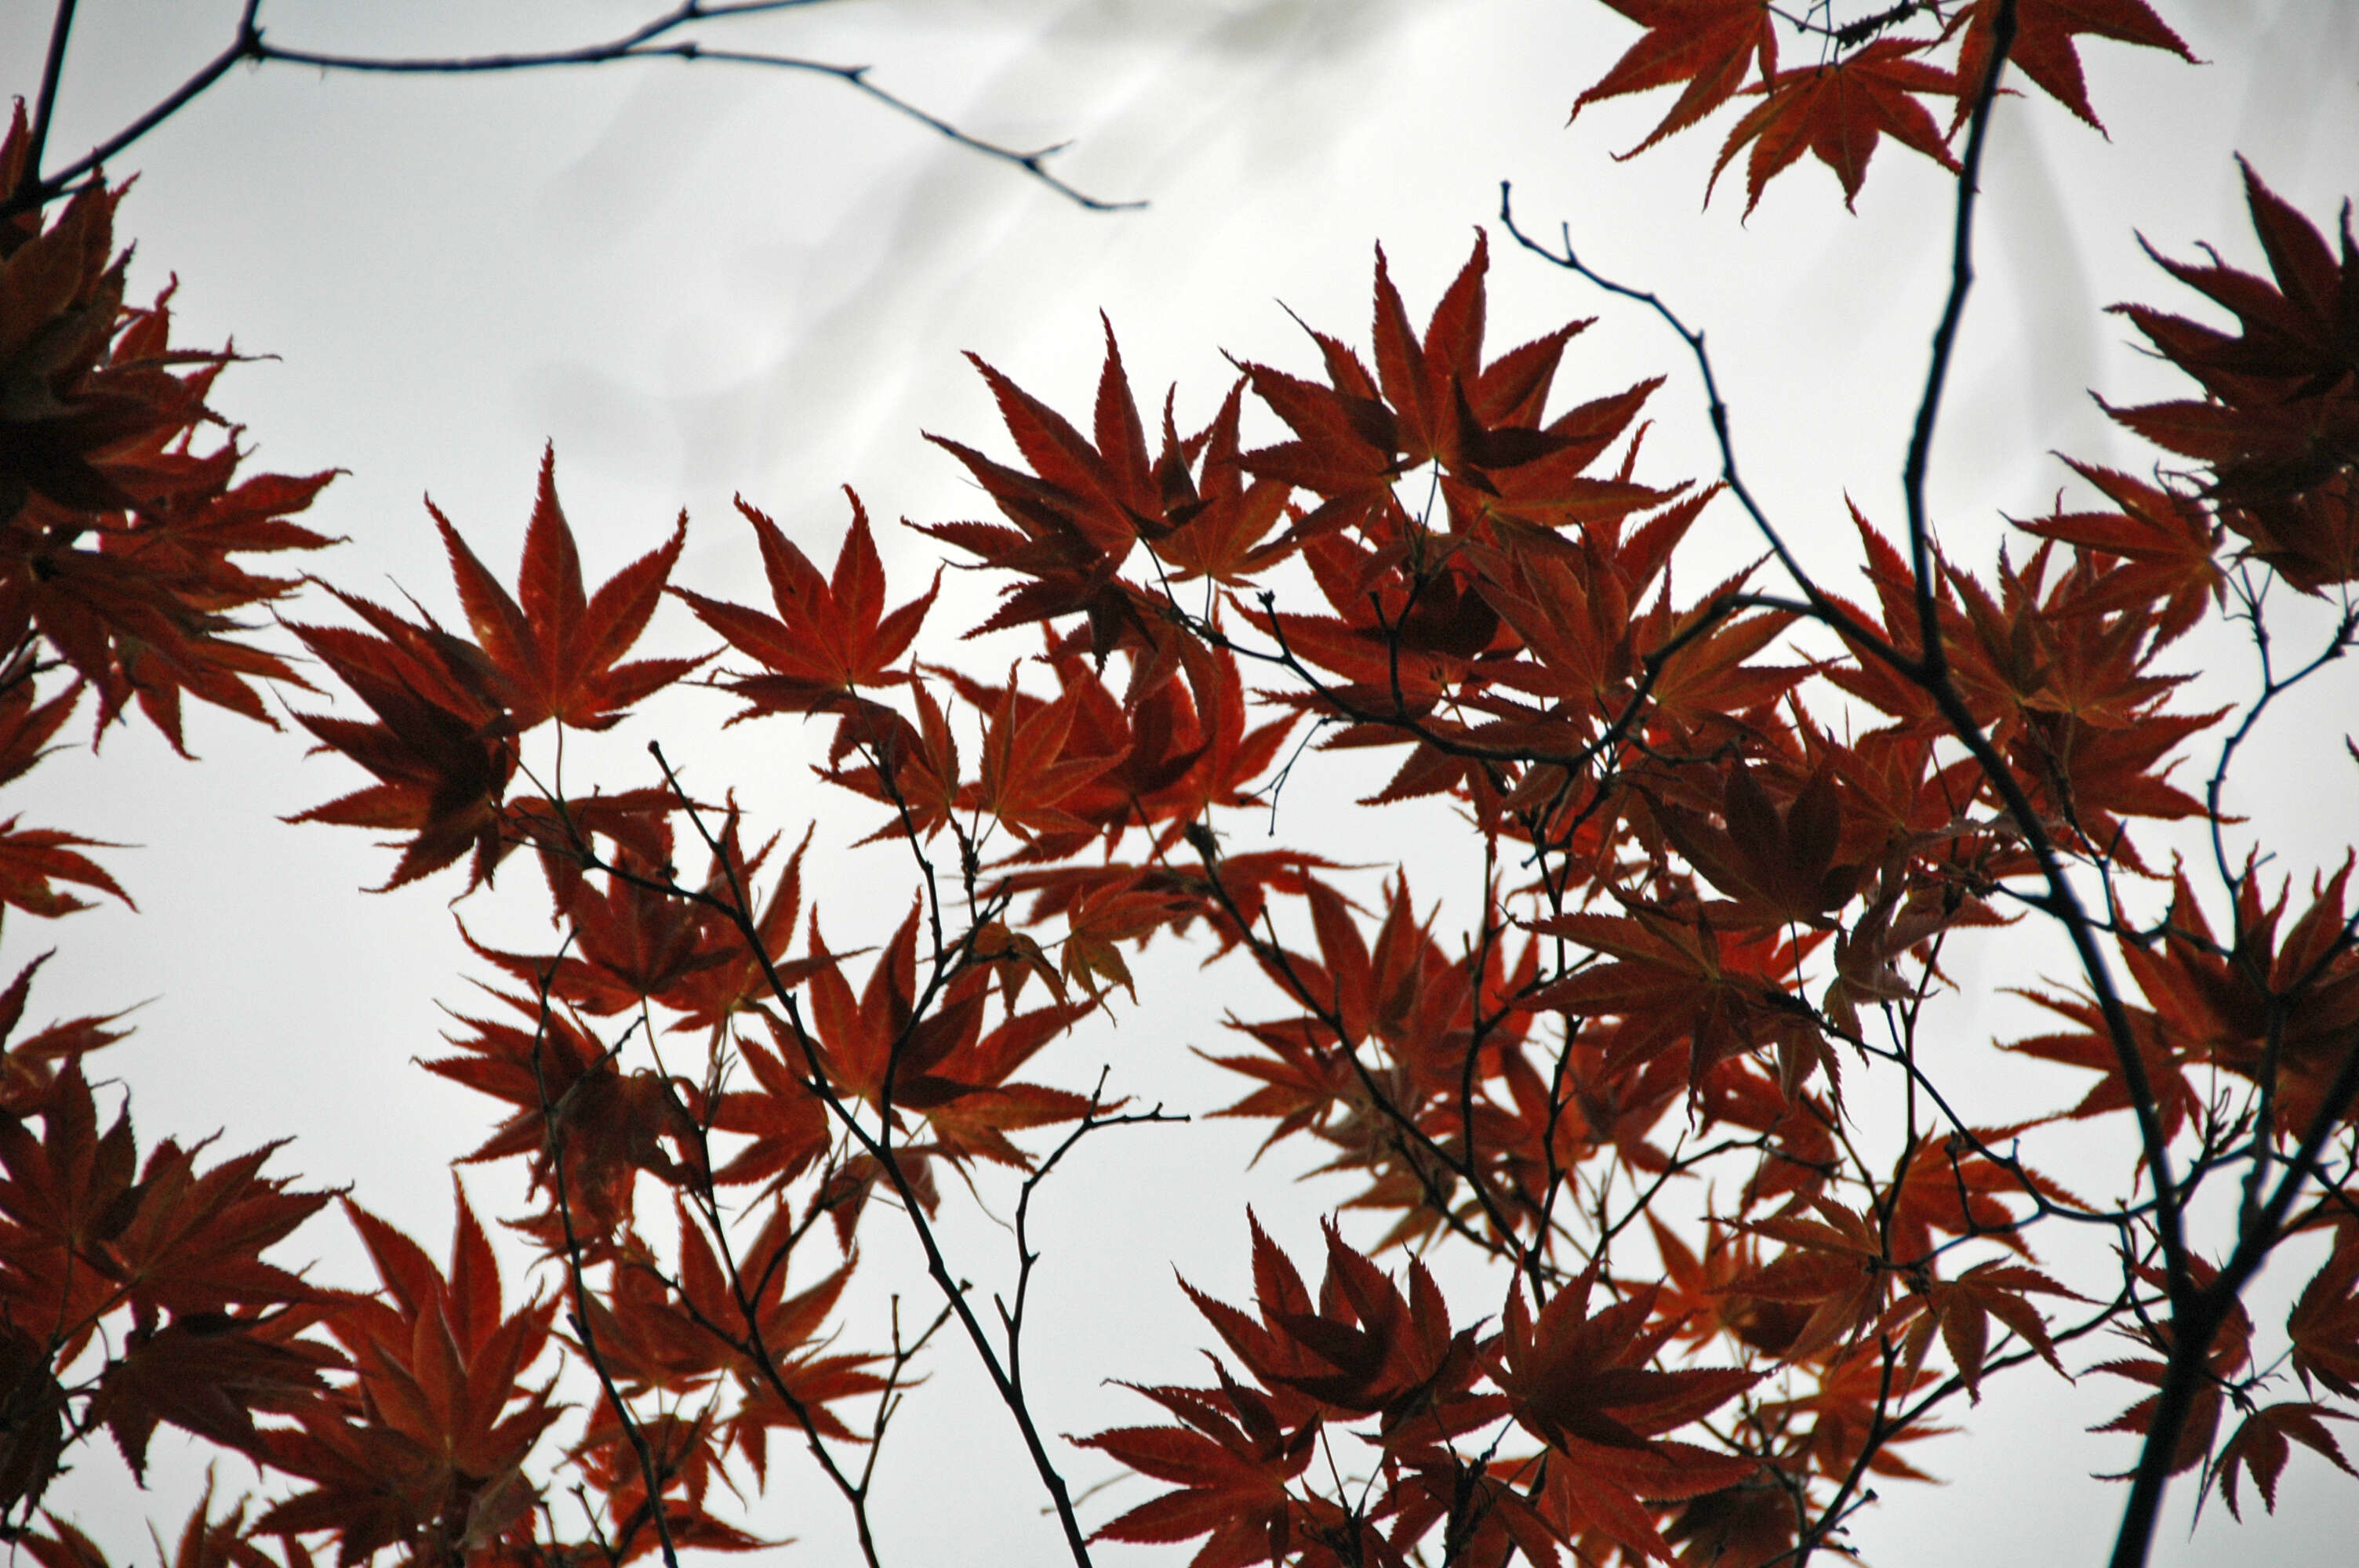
x=654 y=39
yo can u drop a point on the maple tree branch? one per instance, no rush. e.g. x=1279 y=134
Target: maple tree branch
x=1011 y=1318
x=45 y=103
x=651 y=40
x=1933 y=675
x=1945 y=337
x=34 y=190
x=1841 y=1506
x=889 y=1403
x=2198 y=1315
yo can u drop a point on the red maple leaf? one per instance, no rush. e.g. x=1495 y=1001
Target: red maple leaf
x=2279 y=425
x=429 y=1441
x=1583 y=1384
x=1711 y=45
x=1232 y=1462
x=437 y=748
x=1026 y=772
x=1362 y=1347
x=2043 y=48
x=552 y=651
x=2324 y=1323
x=2260 y=1445
x=1839 y=112
x=832 y=635
x=33 y=860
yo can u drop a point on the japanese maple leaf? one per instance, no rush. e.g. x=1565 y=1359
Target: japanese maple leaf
x=1422 y=378
x=565 y=832
x=1223 y=520
x=2280 y=426
x=678 y=1334
x=1778 y=864
x=831 y=635
x=434 y=1444
x=1582 y=1383
x=637 y=941
x=178 y=1246
x=2167 y=544
x=1682 y=983
x=1303 y=1080
x=26 y=727
x=2043 y=48
x=912 y=768
x=1027 y=774
x=1960 y=1310
x=1192 y=745
x=1947 y=1188
x=2324 y=1323
x=553 y=653
x=571 y=1095
x=679 y=1450
x=1836 y=1266
x=193 y=1244
x=208 y=1374
x=1087 y=500
x=1858 y=1400
x=2261 y=1447
x=33 y=860
x=1362 y=1347
x=1539 y=476
x=706 y=996
x=944 y=1064
x=1839 y=112
x=2292 y=997
x=64 y=1193
x=116 y=535
x=28 y=1071
x=1231 y=1461
x=2294 y=329
x=1751 y=1521
x=436 y=748
x=1346 y=446
x=207 y=1539
x=38 y=1420
x=1100 y=917
x=1711 y=45
x=789 y=1126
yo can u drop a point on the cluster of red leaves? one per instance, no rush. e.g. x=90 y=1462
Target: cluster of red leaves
x=116 y=549
x=447 y=709
x=117 y=533
x=1722 y=895
x=1360 y=1356
x=1700 y=844
x=2277 y=426
x=1872 y=76
x=2278 y=1011
x=139 y=1295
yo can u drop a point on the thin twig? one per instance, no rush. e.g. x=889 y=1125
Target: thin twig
x=653 y=39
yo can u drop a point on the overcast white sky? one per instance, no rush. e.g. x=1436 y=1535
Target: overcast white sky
x=704 y=281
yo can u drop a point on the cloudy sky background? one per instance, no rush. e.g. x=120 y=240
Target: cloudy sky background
x=704 y=281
